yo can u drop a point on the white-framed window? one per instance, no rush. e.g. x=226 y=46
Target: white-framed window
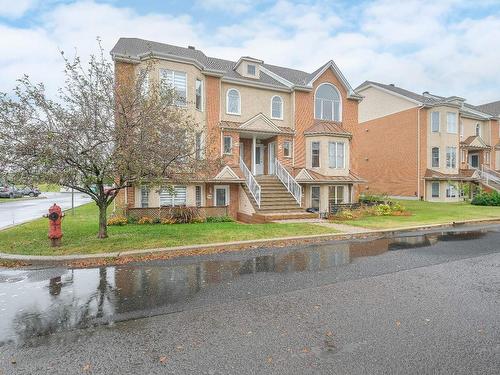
x=451 y=191
x=435 y=189
x=197 y=195
x=173 y=196
x=144 y=196
x=478 y=129
x=233 y=102
x=435 y=157
x=435 y=121
x=315 y=195
x=199 y=145
x=336 y=155
x=287 y=149
x=199 y=95
x=277 y=107
x=327 y=103
x=221 y=195
x=178 y=81
x=251 y=69
x=336 y=194
x=451 y=157
x=451 y=122
x=315 y=154
x=228 y=145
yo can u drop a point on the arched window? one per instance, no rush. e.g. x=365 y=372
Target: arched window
x=327 y=103
x=233 y=104
x=277 y=107
x=478 y=129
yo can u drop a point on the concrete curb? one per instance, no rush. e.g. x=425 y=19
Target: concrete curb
x=238 y=245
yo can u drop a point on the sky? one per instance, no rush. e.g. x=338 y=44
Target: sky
x=447 y=47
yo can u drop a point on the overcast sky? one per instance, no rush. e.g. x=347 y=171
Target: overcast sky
x=448 y=47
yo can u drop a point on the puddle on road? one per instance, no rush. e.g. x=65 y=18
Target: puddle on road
x=40 y=302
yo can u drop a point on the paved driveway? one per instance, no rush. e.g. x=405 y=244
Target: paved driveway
x=17 y=212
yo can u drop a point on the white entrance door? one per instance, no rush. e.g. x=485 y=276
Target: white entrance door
x=259 y=159
x=272 y=157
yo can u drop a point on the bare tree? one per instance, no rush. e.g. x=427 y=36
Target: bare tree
x=100 y=134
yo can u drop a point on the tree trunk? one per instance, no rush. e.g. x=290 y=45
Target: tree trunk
x=103 y=224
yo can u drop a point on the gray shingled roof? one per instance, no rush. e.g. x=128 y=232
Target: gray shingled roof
x=492 y=108
x=135 y=48
x=433 y=99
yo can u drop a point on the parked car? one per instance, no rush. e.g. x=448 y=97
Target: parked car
x=31 y=191
x=10 y=192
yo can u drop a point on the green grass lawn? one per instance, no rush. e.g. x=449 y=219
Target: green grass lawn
x=80 y=233
x=428 y=213
x=49 y=188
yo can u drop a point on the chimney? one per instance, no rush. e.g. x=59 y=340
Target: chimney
x=191 y=47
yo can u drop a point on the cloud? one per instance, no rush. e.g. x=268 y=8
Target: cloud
x=439 y=46
x=235 y=7
x=15 y=9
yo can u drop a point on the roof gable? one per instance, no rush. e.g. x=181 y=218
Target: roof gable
x=227 y=174
x=260 y=122
x=304 y=175
x=336 y=71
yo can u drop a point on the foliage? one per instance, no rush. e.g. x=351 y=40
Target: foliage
x=98 y=135
x=383 y=210
x=395 y=209
x=167 y=220
x=487 y=199
x=219 y=219
x=184 y=215
x=117 y=220
x=368 y=198
x=145 y=220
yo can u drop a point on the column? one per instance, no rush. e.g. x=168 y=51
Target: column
x=254 y=146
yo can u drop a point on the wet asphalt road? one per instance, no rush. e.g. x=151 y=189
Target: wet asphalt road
x=17 y=212
x=414 y=305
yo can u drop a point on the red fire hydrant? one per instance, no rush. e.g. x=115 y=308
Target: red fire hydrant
x=55 y=216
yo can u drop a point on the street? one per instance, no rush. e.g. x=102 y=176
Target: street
x=413 y=304
x=17 y=212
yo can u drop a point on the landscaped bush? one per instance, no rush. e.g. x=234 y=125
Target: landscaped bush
x=219 y=219
x=185 y=214
x=374 y=198
x=145 y=220
x=167 y=220
x=487 y=199
x=383 y=210
x=395 y=209
x=117 y=220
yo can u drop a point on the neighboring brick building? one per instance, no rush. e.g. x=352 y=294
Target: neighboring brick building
x=285 y=136
x=424 y=146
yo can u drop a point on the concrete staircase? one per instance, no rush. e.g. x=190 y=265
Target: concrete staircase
x=276 y=202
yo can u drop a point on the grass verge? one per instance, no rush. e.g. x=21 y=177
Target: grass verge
x=423 y=213
x=80 y=233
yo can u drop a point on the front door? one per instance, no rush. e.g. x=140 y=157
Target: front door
x=474 y=160
x=259 y=159
x=272 y=157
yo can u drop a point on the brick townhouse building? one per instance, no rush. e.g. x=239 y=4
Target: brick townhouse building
x=285 y=136
x=425 y=146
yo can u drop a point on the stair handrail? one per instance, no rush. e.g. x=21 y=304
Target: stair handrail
x=488 y=175
x=251 y=182
x=286 y=178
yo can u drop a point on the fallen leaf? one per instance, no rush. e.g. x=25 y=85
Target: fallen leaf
x=329 y=333
x=13 y=361
x=163 y=359
x=317 y=306
x=180 y=347
x=86 y=367
x=305 y=350
x=398 y=323
x=269 y=359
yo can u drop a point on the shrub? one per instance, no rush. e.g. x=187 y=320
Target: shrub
x=487 y=199
x=373 y=198
x=383 y=210
x=184 y=214
x=145 y=220
x=117 y=220
x=219 y=219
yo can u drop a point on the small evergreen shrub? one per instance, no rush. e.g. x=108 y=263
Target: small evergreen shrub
x=219 y=219
x=487 y=199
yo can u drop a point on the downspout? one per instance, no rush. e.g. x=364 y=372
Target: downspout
x=418 y=153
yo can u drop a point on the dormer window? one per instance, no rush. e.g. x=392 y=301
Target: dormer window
x=251 y=69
